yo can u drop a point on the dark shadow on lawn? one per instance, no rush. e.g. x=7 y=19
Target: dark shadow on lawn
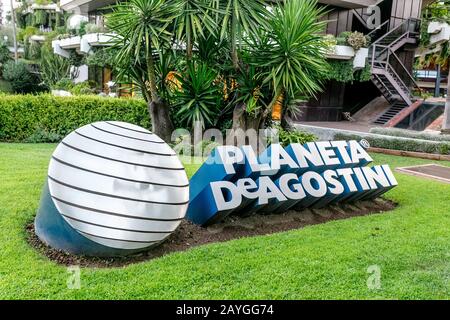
x=189 y=235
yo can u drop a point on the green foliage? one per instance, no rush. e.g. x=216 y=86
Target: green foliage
x=32 y=50
x=286 y=137
x=330 y=40
x=195 y=16
x=5 y=87
x=199 y=97
x=5 y=55
x=21 y=78
x=343 y=71
x=357 y=40
x=53 y=67
x=364 y=74
x=63 y=84
x=102 y=57
x=27 y=32
x=31 y=116
x=43 y=136
x=400 y=143
x=40 y=17
x=251 y=91
x=322 y=261
x=82 y=88
x=291 y=51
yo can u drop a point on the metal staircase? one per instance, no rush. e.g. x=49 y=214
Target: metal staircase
x=386 y=66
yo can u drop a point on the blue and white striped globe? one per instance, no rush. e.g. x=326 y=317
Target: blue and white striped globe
x=116 y=184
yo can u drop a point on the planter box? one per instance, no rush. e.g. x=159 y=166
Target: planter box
x=94 y=40
x=361 y=56
x=440 y=32
x=347 y=53
x=37 y=38
x=341 y=53
x=70 y=43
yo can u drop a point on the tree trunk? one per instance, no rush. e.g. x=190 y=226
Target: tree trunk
x=162 y=125
x=189 y=44
x=245 y=129
x=446 y=120
x=234 y=55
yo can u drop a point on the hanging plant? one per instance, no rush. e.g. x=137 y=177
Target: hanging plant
x=342 y=71
x=40 y=17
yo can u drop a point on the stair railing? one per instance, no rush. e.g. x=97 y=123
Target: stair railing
x=406 y=28
x=410 y=76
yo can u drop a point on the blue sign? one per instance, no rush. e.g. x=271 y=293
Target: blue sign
x=235 y=180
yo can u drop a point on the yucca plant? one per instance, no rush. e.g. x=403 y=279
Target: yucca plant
x=199 y=95
x=53 y=68
x=240 y=18
x=196 y=16
x=290 y=51
x=142 y=29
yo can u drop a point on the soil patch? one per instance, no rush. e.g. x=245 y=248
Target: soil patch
x=189 y=235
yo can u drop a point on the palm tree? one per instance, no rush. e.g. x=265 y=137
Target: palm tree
x=290 y=52
x=142 y=29
x=196 y=16
x=241 y=17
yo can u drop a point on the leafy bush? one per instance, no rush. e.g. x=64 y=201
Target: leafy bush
x=44 y=117
x=43 y=136
x=399 y=143
x=343 y=71
x=199 y=98
x=357 y=40
x=5 y=55
x=286 y=137
x=53 y=67
x=21 y=78
x=63 y=84
x=410 y=134
x=82 y=88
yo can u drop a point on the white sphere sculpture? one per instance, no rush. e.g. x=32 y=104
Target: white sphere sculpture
x=117 y=185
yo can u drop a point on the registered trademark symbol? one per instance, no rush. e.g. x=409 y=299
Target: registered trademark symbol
x=364 y=143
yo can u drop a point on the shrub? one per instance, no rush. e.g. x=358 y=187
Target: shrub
x=82 y=88
x=53 y=67
x=63 y=84
x=44 y=117
x=286 y=137
x=43 y=136
x=399 y=143
x=410 y=134
x=21 y=78
x=357 y=40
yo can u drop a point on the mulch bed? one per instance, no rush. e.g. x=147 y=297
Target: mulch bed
x=189 y=235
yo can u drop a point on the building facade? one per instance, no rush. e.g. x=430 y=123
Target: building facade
x=393 y=27
x=393 y=30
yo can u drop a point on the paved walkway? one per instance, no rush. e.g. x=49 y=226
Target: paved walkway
x=344 y=125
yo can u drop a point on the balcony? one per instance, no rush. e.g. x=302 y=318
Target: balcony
x=439 y=32
x=81 y=44
x=350 y=4
x=85 y=5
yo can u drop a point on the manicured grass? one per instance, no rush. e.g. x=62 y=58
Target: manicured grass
x=410 y=245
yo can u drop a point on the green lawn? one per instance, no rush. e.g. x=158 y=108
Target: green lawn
x=411 y=245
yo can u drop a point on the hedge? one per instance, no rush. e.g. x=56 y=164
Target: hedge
x=46 y=118
x=411 y=134
x=399 y=143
